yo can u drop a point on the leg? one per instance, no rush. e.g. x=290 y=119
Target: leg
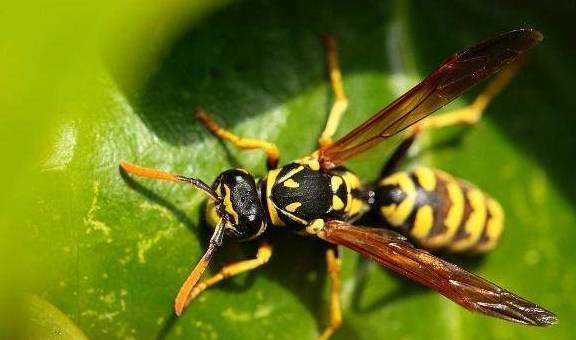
x=468 y=115
x=262 y=256
x=333 y=265
x=473 y=112
x=271 y=150
x=340 y=102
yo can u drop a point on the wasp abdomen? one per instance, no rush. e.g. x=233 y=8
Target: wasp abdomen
x=440 y=211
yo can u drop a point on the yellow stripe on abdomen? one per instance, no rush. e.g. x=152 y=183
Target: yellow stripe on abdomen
x=423 y=222
x=440 y=211
x=474 y=224
x=397 y=214
x=493 y=228
x=451 y=207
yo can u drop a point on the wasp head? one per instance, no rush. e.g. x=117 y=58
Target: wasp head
x=238 y=206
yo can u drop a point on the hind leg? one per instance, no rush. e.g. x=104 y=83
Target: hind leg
x=340 y=102
x=469 y=115
x=333 y=268
x=472 y=113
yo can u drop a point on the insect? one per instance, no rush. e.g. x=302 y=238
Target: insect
x=317 y=196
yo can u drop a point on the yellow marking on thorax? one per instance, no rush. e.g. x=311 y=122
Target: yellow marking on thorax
x=493 y=227
x=337 y=203
x=290 y=183
x=270 y=180
x=294 y=217
x=423 y=222
x=396 y=214
x=336 y=182
x=354 y=206
x=474 y=225
x=426 y=178
x=352 y=181
x=315 y=226
x=293 y=206
x=455 y=213
x=289 y=174
x=311 y=162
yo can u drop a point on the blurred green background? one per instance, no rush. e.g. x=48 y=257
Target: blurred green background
x=88 y=252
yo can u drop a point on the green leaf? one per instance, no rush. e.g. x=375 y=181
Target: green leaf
x=114 y=249
x=47 y=322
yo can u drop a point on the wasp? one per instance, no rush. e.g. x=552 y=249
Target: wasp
x=317 y=196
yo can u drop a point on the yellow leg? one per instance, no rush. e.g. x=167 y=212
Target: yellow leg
x=340 y=102
x=262 y=256
x=333 y=264
x=473 y=112
x=271 y=150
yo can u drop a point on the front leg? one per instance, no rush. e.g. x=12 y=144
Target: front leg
x=262 y=256
x=272 y=153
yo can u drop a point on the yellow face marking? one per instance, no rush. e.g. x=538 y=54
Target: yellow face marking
x=260 y=231
x=476 y=220
x=242 y=170
x=426 y=178
x=293 y=206
x=493 y=227
x=311 y=162
x=337 y=203
x=212 y=216
x=290 y=174
x=228 y=204
x=423 y=222
x=396 y=214
x=336 y=182
x=453 y=216
x=270 y=180
x=290 y=183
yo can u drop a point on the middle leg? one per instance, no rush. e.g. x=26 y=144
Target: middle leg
x=333 y=268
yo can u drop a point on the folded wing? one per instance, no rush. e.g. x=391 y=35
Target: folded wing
x=457 y=74
x=391 y=250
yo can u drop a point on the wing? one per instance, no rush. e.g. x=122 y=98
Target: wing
x=459 y=73
x=391 y=250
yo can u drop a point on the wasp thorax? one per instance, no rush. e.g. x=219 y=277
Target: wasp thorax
x=239 y=205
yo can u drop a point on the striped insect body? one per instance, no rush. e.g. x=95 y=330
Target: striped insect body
x=439 y=211
x=317 y=196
